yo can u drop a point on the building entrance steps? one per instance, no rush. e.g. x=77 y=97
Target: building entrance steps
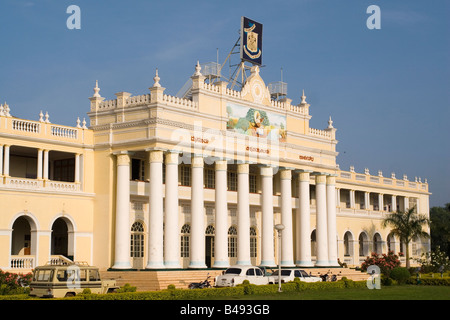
x=153 y=280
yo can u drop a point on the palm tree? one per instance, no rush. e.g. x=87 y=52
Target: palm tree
x=407 y=225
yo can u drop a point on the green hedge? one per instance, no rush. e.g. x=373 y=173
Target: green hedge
x=244 y=289
x=429 y=281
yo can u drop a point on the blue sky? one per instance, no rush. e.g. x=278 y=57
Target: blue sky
x=386 y=90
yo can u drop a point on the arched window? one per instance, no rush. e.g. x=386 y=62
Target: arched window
x=377 y=243
x=348 y=242
x=185 y=240
x=253 y=243
x=232 y=242
x=137 y=240
x=363 y=245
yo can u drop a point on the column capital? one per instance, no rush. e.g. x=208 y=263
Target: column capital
x=243 y=168
x=266 y=170
x=123 y=159
x=321 y=179
x=304 y=176
x=156 y=156
x=285 y=174
x=221 y=165
x=331 y=180
x=197 y=161
x=172 y=157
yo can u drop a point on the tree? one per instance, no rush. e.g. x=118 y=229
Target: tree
x=440 y=228
x=407 y=225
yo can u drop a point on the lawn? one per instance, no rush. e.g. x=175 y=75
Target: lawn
x=404 y=292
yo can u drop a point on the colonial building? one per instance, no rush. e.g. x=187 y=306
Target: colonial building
x=162 y=182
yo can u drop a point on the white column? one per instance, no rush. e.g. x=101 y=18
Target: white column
x=303 y=225
x=380 y=202
x=122 y=240
x=287 y=244
x=267 y=245
x=45 y=165
x=39 y=164
x=321 y=221
x=155 y=233
x=197 y=214
x=366 y=200
x=406 y=203
x=6 y=162
x=221 y=236
x=1 y=161
x=171 y=227
x=394 y=203
x=352 y=199
x=331 y=221
x=77 y=168
x=243 y=230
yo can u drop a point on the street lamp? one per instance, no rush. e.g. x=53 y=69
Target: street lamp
x=279 y=228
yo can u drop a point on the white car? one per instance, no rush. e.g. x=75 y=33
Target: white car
x=290 y=274
x=237 y=274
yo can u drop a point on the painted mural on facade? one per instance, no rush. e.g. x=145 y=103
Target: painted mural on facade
x=256 y=123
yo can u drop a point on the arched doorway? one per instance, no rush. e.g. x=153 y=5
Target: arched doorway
x=60 y=238
x=21 y=237
x=137 y=245
x=209 y=246
x=62 y=242
x=377 y=243
x=363 y=240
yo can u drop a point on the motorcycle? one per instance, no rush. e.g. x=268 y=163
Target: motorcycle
x=201 y=285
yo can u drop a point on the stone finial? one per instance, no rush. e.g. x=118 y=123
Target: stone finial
x=393 y=175
x=303 y=97
x=198 y=69
x=6 y=109
x=84 y=123
x=352 y=168
x=41 y=116
x=330 y=123
x=156 y=78
x=366 y=171
x=78 y=122
x=47 y=117
x=405 y=177
x=380 y=173
x=96 y=90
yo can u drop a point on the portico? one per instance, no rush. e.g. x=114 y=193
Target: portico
x=164 y=206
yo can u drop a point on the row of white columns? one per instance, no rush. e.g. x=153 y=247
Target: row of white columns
x=352 y=200
x=42 y=163
x=163 y=240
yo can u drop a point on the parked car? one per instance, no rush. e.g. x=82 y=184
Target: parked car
x=66 y=280
x=290 y=274
x=237 y=274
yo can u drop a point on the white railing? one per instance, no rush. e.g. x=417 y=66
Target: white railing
x=64 y=132
x=23 y=183
x=34 y=184
x=26 y=126
x=62 y=186
x=22 y=262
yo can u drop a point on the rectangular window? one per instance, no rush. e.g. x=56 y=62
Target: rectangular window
x=252 y=183
x=185 y=175
x=64 y=170
x=232 y=181
x=184 y=246
x=210 y=178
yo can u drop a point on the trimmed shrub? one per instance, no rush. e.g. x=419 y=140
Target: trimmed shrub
x=400 y=274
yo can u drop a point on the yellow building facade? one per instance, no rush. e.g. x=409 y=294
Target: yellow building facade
x=162 y=182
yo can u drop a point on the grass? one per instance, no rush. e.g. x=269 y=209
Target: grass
x=404 y=292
